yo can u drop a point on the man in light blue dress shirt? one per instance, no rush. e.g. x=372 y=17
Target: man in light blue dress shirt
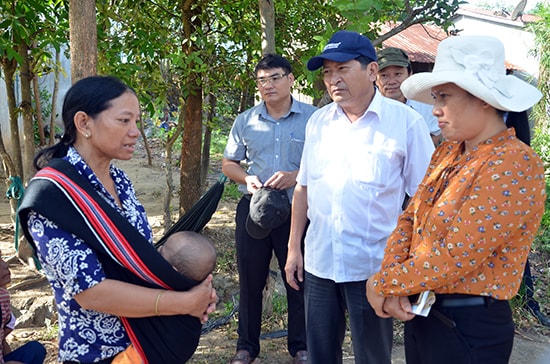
x=269 y=139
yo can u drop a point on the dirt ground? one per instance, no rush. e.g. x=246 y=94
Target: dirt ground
x=217 y=346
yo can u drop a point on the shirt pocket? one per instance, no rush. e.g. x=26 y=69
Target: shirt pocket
x=296 y=147
x=372 y=168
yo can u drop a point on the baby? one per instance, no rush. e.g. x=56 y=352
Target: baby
x=191 y=254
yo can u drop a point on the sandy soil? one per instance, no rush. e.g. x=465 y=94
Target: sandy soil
x=217 y=346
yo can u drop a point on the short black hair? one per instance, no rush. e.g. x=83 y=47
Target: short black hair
x=271 y=61
x=365 y=61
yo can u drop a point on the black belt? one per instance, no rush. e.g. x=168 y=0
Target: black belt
x=461 y=300
x=457 y=301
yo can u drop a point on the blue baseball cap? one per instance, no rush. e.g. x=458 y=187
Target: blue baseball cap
x=342 y=47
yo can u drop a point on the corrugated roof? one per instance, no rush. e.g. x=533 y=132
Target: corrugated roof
x=420 y=41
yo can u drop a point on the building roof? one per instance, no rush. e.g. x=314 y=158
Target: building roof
x=420 y=41
x=497 y=16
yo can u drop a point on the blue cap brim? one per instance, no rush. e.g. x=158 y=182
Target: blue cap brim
x=317 y=61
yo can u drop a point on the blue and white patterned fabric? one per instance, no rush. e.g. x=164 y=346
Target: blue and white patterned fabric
x=72 y=267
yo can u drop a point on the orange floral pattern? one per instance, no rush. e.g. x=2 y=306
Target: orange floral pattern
x=470 y=226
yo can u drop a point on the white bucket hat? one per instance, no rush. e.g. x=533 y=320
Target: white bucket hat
x=475 y=64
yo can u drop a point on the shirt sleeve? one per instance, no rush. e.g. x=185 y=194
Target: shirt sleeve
x=301 y=178
x=235 y=149
x=67 y=260
x=399 y=243
x=419 y=152
x=486 y=225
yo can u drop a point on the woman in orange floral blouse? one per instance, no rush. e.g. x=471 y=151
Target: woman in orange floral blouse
x=467 y=231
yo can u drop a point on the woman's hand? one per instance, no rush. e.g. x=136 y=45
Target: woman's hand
x=211 y=306
x=376 y=301
x=399 y=308
x=202 y=300
x=385 y=307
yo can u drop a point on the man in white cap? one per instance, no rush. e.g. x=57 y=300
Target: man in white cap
x=466 y=233
x=362 y=153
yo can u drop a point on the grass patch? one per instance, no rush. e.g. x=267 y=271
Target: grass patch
x=231 y=192
x=51 y=333
x=218 y=142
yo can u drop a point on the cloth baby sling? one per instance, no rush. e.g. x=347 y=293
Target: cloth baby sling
x=65 y=197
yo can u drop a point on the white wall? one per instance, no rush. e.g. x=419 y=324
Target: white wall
x=47 y=83
x=518 y=42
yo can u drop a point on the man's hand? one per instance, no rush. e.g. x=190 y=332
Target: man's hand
x=282 y=180
x=252 y=183
x=294 y=268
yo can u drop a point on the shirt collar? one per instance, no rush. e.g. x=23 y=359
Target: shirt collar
x=294 y=108
x=82 y=167
x=375 y=107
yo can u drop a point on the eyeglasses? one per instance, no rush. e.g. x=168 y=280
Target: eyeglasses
x=262 y=81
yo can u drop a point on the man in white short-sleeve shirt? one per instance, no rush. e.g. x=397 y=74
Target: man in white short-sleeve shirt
x=362 y=153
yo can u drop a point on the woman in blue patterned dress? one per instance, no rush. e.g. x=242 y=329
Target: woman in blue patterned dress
x=100 y=116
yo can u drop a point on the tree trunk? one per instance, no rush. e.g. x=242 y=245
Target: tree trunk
x=26 y=108
x=24 y=250
x=190 y=188
x=54 y=97
x=205 y=163
x=9 y=170
x=38 y=108
x=267 y=23
x=83 y=38
x=190 y=172
x=172 y=138
x=145 y=143
x=206 y=141
x=169 y=186
x=9 y=67
x=247 y=94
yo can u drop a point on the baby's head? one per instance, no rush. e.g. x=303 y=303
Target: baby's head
x=190 y=253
